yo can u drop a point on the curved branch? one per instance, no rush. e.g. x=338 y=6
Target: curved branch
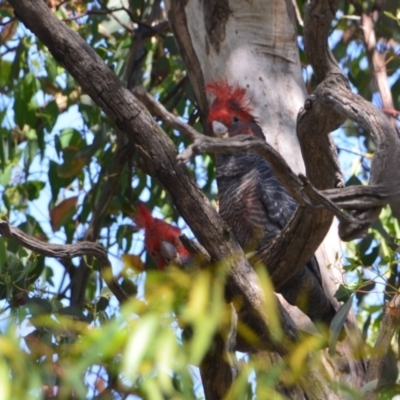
x=298 y=186
x=385 y=169
x=362 y=197
x=330 y=105
x=317 y=24
x=67 y=251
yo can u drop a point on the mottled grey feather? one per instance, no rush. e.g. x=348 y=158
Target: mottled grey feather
x=256 y=206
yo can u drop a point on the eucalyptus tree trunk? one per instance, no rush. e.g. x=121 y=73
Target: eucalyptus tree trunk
x=254 y=44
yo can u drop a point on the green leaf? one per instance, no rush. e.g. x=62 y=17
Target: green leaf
x=371 y=385
x=5 y=72
x=170 y=44
x=353 y=181
x=48 y=275
x=5 y=383
x=337 y=324
x=366 y=286
x=57 y=182
x=71 y=138
x=129 y=287
x=49 y=114
x=73 y=311
x=103 y=317
x=51 y=68
x=24 y=108
x=138 y=343
x=34 y=188
x=343 y=293
x=38 y=306
x=103 y=303
x=6 y=175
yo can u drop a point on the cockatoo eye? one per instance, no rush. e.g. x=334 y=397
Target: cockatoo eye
x=219 y=129
x=235 y=119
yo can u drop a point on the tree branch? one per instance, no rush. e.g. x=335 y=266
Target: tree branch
x=80 y=276
x=298 y=186
x=67 y=251
x=330 y=105
x=377 y=58
x=158 y=110
x=362 y=197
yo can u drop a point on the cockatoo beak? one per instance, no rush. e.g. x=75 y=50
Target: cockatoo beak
x=169 y=252
x=219 y=129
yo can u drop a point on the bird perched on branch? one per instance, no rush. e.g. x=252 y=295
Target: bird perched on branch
x=253 y=202
x=161 y=239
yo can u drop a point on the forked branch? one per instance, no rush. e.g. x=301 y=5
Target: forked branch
x=332 y=103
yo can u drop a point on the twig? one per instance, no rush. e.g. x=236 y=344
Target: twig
x=157 y=109
x=67 y=251
x=80 y=275
x=298 y=13
x=196 y=250
x=376 y=58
